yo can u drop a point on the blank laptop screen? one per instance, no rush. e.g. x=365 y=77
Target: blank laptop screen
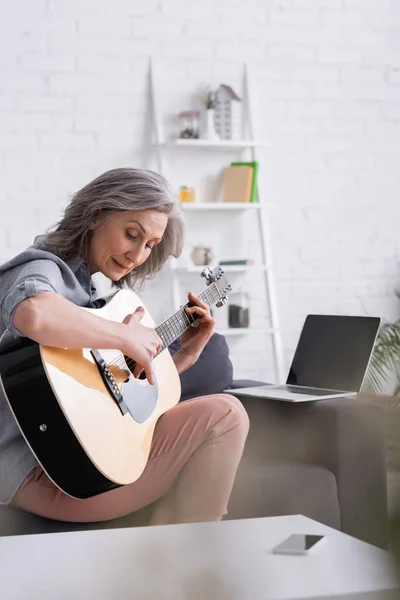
x=333 y=352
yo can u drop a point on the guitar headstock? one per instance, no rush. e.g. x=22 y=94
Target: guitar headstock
x=218 y=278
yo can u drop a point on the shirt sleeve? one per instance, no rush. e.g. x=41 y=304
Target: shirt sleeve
x=24 y=282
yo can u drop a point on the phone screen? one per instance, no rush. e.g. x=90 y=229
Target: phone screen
x=299 y=543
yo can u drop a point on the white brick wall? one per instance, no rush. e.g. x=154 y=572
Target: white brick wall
x=74 y=102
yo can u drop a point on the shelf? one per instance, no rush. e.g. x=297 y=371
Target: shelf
x=244 y=330
x=225 y=268
x=227 y=144
x=193 y=206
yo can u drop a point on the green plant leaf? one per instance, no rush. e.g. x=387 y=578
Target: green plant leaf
x=385 y=359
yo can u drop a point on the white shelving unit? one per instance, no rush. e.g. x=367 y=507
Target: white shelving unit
x=164 y=146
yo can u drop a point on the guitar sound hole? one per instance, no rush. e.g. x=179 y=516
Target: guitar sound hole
x=131 y=366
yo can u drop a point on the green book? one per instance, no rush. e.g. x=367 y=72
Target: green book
x=239 y=261
x=254 y=164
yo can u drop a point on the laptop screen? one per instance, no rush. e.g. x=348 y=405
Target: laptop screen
x=333 y=352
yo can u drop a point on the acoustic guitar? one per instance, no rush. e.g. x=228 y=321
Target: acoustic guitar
x=86 y=418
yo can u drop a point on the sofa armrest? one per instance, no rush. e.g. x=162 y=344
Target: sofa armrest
x=346 y=436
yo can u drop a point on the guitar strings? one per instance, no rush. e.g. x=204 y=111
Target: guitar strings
x=122 y=361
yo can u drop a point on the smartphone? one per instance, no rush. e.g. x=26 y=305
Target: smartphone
x=299 y=543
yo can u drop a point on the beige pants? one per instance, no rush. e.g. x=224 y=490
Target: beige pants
x=196 y=449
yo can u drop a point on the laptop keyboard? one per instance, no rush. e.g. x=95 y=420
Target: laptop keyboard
x=293 y=389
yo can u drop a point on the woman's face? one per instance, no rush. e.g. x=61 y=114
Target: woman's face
x=124 y=241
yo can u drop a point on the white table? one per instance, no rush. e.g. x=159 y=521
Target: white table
x=231 y=560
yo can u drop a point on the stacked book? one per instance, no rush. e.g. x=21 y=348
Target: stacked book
x=242 y=262
x=240 y=182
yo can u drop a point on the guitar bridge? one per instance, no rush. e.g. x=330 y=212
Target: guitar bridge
x=109 y=381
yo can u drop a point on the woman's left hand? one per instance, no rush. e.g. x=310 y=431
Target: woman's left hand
x=196 y=337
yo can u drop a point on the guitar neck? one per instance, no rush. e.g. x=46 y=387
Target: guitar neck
x=170 y=329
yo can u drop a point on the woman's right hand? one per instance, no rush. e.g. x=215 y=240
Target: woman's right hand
x=143 y=344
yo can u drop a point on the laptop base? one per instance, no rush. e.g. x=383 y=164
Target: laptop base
x=284 y=396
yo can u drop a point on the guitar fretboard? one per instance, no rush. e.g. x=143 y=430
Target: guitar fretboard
x=170 y=329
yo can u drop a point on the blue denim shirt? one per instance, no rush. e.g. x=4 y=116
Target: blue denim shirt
x=33 y=271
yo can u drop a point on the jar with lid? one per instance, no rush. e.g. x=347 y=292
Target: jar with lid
x=238 y=309
x=187 y=193
x=189 y=124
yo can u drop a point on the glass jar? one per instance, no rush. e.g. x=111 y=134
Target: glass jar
x=187 y=193
x=189 y=124
x=238 y=309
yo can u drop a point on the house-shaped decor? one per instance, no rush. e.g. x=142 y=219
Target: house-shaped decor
x=228 y=113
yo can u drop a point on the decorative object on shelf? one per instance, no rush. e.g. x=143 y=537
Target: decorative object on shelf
x=209 y=100
x=202 y=255
x=237 y=183
x=238 y=310
x=228 y=113
x=190 y=128
x=254 y=165
x=187 y=193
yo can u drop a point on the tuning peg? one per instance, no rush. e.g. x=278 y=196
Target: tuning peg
x=222 y=301
x=207 y=273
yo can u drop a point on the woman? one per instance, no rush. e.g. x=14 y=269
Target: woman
x=124 y=224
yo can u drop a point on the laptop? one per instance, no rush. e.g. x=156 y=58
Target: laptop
x=330 y=361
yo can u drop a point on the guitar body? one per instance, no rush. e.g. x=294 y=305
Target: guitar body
x=85 y=440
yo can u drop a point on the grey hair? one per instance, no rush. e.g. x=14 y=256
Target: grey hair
x=113 y=192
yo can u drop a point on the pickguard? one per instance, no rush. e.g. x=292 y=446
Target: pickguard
x=140 y=398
